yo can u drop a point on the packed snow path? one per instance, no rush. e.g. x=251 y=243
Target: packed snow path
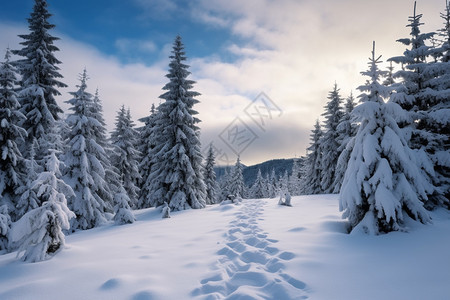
x=250 y=265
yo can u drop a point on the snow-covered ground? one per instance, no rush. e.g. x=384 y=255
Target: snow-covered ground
x=255 y=250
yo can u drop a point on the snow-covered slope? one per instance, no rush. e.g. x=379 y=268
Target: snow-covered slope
x=255 y=250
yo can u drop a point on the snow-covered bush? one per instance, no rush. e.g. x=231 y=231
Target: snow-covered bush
x=5 y=226
x=123 y=213
x=39 y=233
x=285 y=198
x=166 y=211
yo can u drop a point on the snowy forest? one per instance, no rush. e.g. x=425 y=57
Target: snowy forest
x=384 y=150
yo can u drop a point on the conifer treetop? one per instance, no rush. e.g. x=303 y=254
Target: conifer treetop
x=38 y=51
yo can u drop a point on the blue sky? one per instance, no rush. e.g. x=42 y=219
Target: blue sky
x=292 y=50
x=132 y=31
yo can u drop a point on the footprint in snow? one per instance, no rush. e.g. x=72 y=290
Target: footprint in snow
x=249 y=264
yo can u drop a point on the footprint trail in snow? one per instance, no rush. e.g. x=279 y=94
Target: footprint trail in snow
x=250 y=265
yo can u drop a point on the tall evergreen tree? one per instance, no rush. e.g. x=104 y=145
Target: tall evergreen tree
x=122 y=210
x=115 y=197
x=147 y=143
x=312 y=166
x=96 y=110
x=436 y=120
x=444 y=33
x=382 y=181
x=284 y=184
x=295 y=179
x=272 y=187
x=347 y=130
x=39 y=233
x=84 y=169
x=177 y=173
x=12 y=167
x=112 y=177
x=236 y=185
x=330 y=140
x=210 y=178
x=40 y=78
x=259 y=188
x=224 y=185
x=418 y=94
x=412 y=75
x=125 y=156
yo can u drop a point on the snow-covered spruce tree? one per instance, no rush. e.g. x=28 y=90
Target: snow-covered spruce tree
x=389 y=77
x=177 y=172
x=436 y=120
x=295 y=179
x=312 y=164
x=303 y=169
x=444 y=33
x=272 y=187
x=224 y=185
x=122 y=210
x=125 y=156
x=111 y=173
x=236 y=185
x=416 y=94
x=330 y=140
x=259 y=188
x=412 y=75
x=210 y=178
x=39 y=84
x=382 y=181
x=28 y=199
x=265 y=185
x=62 y=132
x=12 y=167
x=284 y=183
x=268 y=185
x=284 y=192
x=39 y=233
x=84 y=171
x=5 y=227
x=347 y=129
x=97 y=113
x=147 y=143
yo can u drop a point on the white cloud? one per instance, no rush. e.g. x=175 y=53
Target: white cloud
x=126 y=46
x=205 y=17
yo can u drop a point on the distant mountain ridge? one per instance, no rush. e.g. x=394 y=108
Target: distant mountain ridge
x=250 y=172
